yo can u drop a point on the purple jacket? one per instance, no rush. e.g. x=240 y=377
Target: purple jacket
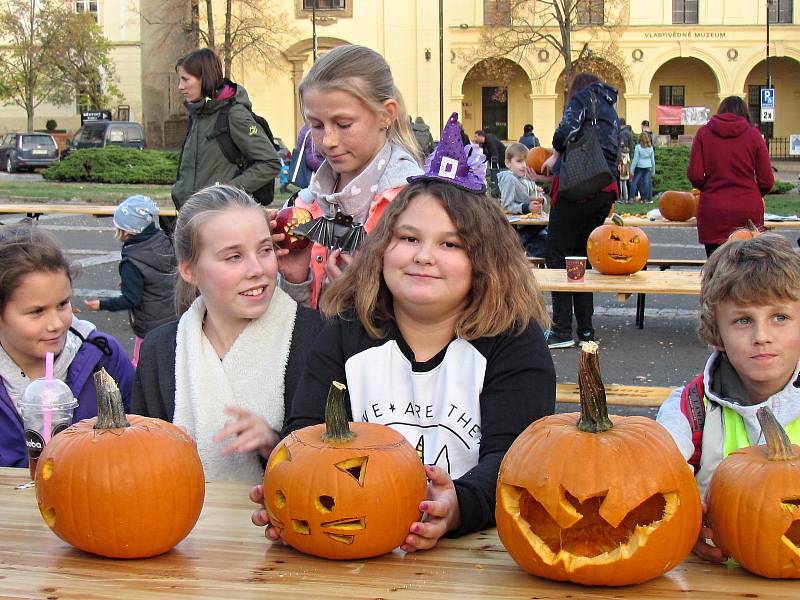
x=100 y=350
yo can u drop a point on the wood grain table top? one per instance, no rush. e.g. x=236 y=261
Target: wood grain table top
x=672 y=281
x=226 y=557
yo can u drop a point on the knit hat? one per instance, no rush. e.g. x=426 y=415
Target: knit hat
x=454 y=163
x=134 y=214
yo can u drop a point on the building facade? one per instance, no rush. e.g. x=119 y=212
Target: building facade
x=666 y=52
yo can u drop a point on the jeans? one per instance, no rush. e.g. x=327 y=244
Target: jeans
x=569 y=229
x=646 y=177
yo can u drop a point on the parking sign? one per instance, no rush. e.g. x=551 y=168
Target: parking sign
x=768 y=98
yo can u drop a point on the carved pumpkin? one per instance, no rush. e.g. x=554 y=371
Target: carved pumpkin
x=754 y=504
x=614 y=249
x=536 y=157
x=677 y=206
x=745 y=233
x=117 y=487
x=582 y=499
x=344 y=492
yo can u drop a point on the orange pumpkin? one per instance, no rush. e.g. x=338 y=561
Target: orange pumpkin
x=614 y=249
x=754 y=504
x=677 y=206
x=536 y=157
x=344 y=492
x=745 y=233
x=117 y=487
x=581 y=498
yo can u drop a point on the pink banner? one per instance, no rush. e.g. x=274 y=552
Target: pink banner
x=668 y=115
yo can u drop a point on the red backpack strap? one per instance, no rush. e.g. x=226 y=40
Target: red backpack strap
x=694 y=409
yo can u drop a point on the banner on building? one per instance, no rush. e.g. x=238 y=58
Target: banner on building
x=682 y=115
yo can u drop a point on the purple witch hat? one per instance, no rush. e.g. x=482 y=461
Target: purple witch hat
x=454 y=163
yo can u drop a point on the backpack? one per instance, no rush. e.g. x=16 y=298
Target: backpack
x=222 y=132
x=694 y=409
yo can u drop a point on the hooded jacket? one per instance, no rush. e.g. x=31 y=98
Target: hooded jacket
x=202 y=161
x=99 y=350
x=422 y=133
x=729 y=164
x=578 y=113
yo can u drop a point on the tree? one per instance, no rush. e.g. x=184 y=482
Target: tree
x=26 y=80
x=255 y=30
x=51 y=52
x=517 y=27
x=80 y=59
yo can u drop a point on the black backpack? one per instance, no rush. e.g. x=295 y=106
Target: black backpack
x=222 y=132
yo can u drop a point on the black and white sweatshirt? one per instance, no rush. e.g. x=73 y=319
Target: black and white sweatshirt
x=461 y=409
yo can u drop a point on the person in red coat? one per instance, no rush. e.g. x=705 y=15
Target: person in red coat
x=730 y=165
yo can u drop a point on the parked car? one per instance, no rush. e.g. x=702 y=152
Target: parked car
x=27 y=150
x=99 y=134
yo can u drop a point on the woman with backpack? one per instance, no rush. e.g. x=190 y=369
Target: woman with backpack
x=216 y=104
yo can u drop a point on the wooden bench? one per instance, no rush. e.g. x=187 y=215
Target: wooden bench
x=35 y=210
x=619 y=395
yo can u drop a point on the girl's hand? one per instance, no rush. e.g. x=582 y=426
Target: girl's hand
x=442 y=513
x=705 y=550
x=337 y=263
x=259 y=516
x=293 y=264
x=252 y=433
x=92 y=304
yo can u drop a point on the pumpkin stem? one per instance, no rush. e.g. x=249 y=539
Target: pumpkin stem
x=336 y=427
x=752 y=226
x=594 y=412
x=779 y=447
x=617 y=220
x=110 y=411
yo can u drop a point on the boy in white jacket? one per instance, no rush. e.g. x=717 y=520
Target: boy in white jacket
x=750 y=314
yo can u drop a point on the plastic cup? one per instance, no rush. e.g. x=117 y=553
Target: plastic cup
x=47 y=406
x=576 y=268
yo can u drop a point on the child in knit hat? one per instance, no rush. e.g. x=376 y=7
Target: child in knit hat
x=147 y=269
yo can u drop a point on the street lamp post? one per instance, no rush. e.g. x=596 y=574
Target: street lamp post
x=769 y=76
x=314 y=30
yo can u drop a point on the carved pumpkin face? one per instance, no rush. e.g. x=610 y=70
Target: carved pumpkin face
x=611 y=508
x=748 y=483
x=614 y=249
x=344 y=500
x=677 y=206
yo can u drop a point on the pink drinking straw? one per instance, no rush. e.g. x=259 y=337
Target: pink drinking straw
x=47 y=414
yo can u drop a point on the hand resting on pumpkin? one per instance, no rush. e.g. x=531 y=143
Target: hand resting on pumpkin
x=251 y=432
x=441 y=512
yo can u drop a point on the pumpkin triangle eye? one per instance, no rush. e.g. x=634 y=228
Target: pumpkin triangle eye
x=281 y=456
x=614 y=237
x=355 y=467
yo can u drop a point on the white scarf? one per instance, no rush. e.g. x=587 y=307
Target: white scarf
x=250 y=376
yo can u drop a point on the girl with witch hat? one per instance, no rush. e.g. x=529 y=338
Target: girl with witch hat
x=436 y=329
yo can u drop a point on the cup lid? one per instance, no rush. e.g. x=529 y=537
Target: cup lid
x=47 y=393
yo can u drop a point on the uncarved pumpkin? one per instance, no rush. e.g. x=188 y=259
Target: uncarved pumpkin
x=745 y=233
x=581 y=498
x=754 y=504
x=536 y=158
x=677 y=206
x=117 y=487
x=344 y=491
x=615 y=249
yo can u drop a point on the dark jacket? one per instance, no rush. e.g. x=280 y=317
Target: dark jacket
x=99 y=350
x=730 y=165
x=154 y=389
x=578 y=113
x=147 y=272
x=529 y=140
x=422 y=133
x=202 y=161
x=626 y=137
x=494 y=150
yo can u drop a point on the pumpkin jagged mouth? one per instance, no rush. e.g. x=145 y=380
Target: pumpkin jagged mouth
x=591 y=540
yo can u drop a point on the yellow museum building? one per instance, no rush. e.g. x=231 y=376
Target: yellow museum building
x=667 y=52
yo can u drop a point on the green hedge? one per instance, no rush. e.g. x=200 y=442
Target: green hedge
x=115 y=165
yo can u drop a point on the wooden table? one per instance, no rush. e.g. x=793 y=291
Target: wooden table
x=519 y=220
x=641 y=283
x=36 y=210
x=226 y=557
